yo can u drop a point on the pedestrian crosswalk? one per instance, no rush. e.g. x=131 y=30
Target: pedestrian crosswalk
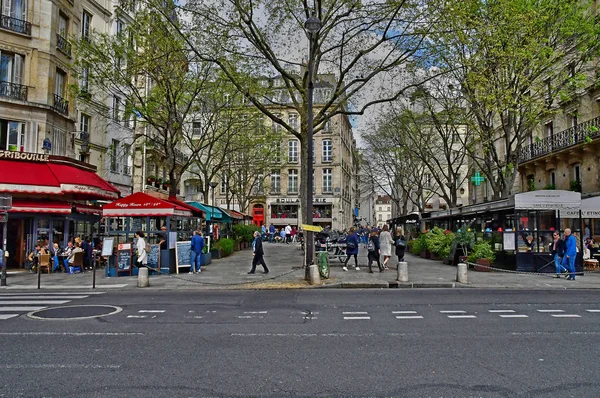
x=13 y=305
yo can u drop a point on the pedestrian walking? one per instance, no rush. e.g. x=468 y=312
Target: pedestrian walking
x=352 y=249
x=288 y=234
x=386 y=241
x=271 y=233
x=258 y=253
x=373 y=251
x=557 y=247
x=196 y=252
x=570 y=253
x=142 y=256
x=400 y=243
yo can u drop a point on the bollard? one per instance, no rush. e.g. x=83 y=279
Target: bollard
x=313 y=271
x=143 y=280
x=461 y=273
x=402 y=272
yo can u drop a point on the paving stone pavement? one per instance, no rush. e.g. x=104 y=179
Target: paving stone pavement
x=284 y=262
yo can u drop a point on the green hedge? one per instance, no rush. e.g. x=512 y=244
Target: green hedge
x=439 y=241
x=244 y=233
x=226 y=246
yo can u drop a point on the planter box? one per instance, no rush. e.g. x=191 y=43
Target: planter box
x=237 y=247
x=485 y=262
x=216 y=253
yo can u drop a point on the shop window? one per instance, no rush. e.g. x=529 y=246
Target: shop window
x=12 y=135
x=322 y=211
x=284 y=211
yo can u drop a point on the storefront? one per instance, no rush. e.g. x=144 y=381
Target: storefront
x=54 y=200
x=410 y=224
x=219 y=221
x=163 y=221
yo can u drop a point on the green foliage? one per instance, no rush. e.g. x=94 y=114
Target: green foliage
x=226 y=246
x=482 y=250
x=244 y=233
x=575 y=186
x=419 y=245
x=550 y=186
x=465 y=239
x=439 y=241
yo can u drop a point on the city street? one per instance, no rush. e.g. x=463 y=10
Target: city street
x=317 y=343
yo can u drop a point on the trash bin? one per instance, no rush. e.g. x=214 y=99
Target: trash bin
x=323 y=265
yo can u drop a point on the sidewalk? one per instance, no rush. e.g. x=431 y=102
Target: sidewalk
x=284 y=262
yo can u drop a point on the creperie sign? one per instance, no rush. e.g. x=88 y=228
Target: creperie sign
x=137 y=205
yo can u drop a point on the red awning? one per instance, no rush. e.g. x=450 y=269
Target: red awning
x=142 y=205
x=233 y=214
x=86 y=209
x=32 y=206
x=18 y=176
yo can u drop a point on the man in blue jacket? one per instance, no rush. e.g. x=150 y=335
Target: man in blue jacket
x=570 y=253
x=196 y=253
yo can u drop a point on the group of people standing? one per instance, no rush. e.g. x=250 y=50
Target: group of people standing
x=378 y=244
x=565 y=254
x=285 y=234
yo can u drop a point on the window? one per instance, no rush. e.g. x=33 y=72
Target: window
x=12 y=135
x=292 y=181
x=379 y=209
x=327 y=126
x=84 y=82
x=553 y=179
x=86 y=25
x=114 y=155
x=293 y=121
x=11 y=69
x=276 y=151
x=15 y=9
x=196 y=129
x=120 y=26
x=63 y=25
x=84 y=125
x=59 y=83
x=327 y=151
x=128 y=161
x=577 y=172
x=574 y=120
x=549 y=129
x=274 y=126
x=59 y=142
x=327 y=181
x=275 y=181
x=116 y=105
x=293 y=151
x=223 y=185
x=380 y=217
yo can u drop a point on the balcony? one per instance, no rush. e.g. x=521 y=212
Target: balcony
x=13 y=91
x=61 y=105
x=63 y=45
x=15 y=25
x=579 y=134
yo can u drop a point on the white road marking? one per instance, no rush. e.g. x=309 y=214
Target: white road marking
x=320 y=335
x=453 y=312
x=75 y=334
x=7 y=316
x=404 y=312
x=355 y=313
x=136 y=316
x=409 y=317
x=58 y=366
x=193 y=317
x=545 y=311
x=4 y=309
x=461 y=316
x=513 y=316
x=566 y=316
x=49 y=293
x=255 y=312
x=153 y=311
x=33 y=302
x=593 y=310
x=250 y=316
x=500 y=311
x=41 y=297
x=356 y=317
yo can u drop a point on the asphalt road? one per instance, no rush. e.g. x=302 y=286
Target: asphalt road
x=317 y=343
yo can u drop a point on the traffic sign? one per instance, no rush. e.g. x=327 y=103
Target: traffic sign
x=313 y=228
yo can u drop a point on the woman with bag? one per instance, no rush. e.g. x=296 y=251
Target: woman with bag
x=386 y=241
x=400 y=243
x=351 y=249
x=373 y=250
x=142 y=256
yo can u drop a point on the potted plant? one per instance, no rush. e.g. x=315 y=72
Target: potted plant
x=465 y=240
x=166 y=185
x=158 y=182
x=150 y=179
x=483 y=256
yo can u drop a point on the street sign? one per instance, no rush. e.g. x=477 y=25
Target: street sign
x=3 y=217
x=313 y=228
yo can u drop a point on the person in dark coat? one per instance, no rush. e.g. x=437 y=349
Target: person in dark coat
x=258 y=253
x=351 y=249
x=400 y=243
x=373 y=249
x=557 y=247
x=197 y=245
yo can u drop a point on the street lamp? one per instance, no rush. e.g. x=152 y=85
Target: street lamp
x=213 y=185
x=312 y=26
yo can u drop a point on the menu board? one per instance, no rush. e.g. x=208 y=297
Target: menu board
x=124 y=257
x=509 y=240
x=183 y=252
x=107 y=247
x=154 y=256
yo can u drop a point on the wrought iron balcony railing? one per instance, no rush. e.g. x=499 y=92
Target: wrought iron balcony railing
x=63 y=45
x=15 y=25
x=581 y=133
x=13 y=91
x=61 y=105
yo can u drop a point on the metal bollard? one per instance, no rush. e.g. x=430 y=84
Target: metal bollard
x=402 y=274
x=313 y=271
x=461 y=273
x=143 y=280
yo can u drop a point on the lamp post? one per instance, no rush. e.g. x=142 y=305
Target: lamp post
x=212 y=185
x=312 y=26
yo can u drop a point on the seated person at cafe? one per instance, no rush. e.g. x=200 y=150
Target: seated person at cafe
x=54 y=252
x=71 y=258
x=33 y=258
x=67 y=252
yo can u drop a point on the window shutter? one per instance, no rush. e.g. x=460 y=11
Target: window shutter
x=18 y=75
x=6 y=6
